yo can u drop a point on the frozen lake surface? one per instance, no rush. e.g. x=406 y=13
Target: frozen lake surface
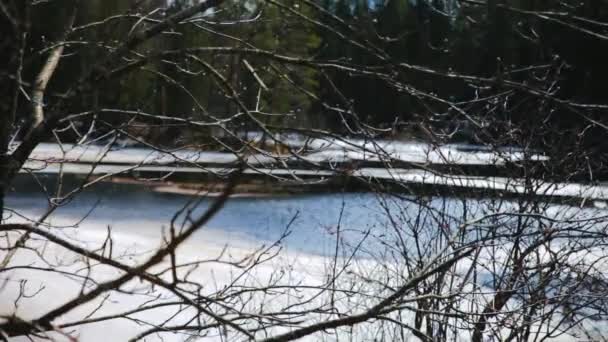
x=260 y=219
x=311 y=220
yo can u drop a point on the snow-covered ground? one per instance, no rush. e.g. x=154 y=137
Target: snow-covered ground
x=100 y=160
x=55 y=289
x=137 y=220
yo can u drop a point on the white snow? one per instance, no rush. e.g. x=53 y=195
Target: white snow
x=510 y=185
x=317 y=150
x=132 y=241
x=50 y=152
x=412 y=152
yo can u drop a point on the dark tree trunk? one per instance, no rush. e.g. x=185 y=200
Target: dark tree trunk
x=13 y=24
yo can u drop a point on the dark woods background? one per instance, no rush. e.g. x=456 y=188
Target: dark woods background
x=501 y=73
